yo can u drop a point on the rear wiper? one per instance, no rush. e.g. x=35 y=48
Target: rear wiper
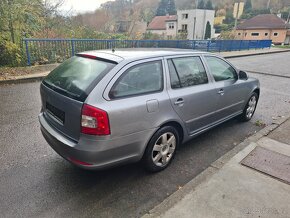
x=62 y=90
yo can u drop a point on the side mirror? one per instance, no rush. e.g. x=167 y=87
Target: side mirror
x=243 y=75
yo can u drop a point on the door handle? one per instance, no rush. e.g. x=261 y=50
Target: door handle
x=179 y=101
x=221 y=92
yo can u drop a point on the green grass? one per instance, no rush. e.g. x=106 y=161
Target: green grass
x=282 y=46
x=260 y=123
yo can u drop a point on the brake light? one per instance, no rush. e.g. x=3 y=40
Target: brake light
x=87 y=56
x=94 y=121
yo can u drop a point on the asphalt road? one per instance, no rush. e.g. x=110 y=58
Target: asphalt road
x=275 y=90
x=35 y=181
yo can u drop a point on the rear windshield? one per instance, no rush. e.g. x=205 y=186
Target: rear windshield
x=77 y=76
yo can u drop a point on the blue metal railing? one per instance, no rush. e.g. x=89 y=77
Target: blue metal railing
x=44 y=51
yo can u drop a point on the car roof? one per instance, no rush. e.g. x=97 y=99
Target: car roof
x=131 y=54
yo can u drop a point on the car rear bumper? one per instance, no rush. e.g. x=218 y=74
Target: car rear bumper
x=89 y=153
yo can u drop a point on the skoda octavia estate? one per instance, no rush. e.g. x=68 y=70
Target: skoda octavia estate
x=105 y=108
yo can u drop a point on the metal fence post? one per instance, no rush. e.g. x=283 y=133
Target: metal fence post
x=208 y=44
x=240 y=45
x=27 y=53
x=72 y=47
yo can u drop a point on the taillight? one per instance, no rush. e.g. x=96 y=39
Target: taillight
x=94 y=121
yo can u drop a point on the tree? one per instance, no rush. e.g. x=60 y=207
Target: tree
x=161 y=10
x=171 y=9
x=166 y=7
x=207 y=34
x=229 y=17
x=227 y=35
x=208 y=5
x=248 y=6
x=200 y=4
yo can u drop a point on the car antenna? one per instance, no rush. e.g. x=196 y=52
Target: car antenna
x=113 y=50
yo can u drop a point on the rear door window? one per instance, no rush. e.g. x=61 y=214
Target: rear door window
x=140 y=79
x=186 y=71
x=77 y=76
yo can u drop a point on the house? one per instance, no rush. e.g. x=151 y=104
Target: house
x=192 y=23
x=164 y=25
x=263 y=27
x=287 y=40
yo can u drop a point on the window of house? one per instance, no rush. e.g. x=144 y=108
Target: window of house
x=266 y=34
x=220 y=69
x=138 y=80
x=171 y=25
x=246 y=34
x=275 y=34
x=187 y=71
x=184 y=27
x=239 y=34
x=184 y=16
x=255 y=34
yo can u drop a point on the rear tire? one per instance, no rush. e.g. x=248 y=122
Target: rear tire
x=250 y=108
x=161 y=149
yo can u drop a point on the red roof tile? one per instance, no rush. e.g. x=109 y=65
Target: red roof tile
x=159 y=22
x=263 y=21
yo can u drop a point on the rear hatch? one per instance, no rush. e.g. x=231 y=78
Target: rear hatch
x=65 y=89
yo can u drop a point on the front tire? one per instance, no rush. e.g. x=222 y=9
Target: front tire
x=161 y=149
x=250 y=108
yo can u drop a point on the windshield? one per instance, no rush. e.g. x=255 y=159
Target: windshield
x=77 y=76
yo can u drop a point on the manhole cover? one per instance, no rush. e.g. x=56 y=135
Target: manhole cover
x=270 y=162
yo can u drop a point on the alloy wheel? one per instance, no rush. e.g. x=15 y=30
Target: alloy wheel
x=163 y=149
x=251 y=107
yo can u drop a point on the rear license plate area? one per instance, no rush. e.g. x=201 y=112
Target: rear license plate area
x=56 y=114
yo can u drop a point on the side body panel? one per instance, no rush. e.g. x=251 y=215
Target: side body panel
x=132 y=115
x=199 y=102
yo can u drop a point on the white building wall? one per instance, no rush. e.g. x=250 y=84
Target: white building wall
x=196 y=22
x=171 y=32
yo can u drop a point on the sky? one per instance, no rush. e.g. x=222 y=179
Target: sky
x=79 y=6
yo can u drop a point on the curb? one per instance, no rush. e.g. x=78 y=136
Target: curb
x=39 y=78
x=253 y=54
x=267 y=74
x=22 y=80
x=170 y=201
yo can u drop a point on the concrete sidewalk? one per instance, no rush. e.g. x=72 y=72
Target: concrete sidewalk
x=230 y=189
x=228 y=55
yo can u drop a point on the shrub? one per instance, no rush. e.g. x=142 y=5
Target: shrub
x=10 y=54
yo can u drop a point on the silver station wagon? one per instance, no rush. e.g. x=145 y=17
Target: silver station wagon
x=105 y=108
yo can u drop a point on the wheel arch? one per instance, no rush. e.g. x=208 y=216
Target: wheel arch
x=180 y=129
x=177 y=126
x=257 y=91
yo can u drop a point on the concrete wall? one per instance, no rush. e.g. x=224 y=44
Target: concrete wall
x=263 y=35
x=196 y=22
